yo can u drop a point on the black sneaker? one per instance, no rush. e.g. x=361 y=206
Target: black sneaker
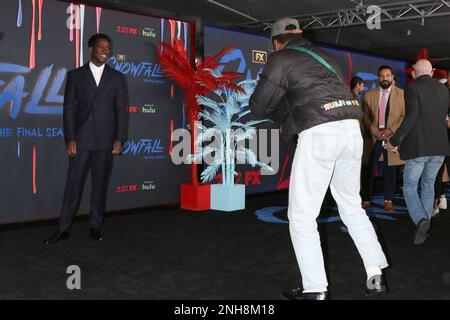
x=95 y=234
x=376 y=286
x=422 y=231
x=297 y=294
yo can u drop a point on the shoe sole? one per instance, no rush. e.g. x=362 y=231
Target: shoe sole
x=421 y=234
x=377 y=293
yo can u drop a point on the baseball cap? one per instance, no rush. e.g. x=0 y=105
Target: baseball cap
x=281 y=27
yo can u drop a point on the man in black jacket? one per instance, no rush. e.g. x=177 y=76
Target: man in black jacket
x=303 y=89
x=422 y=141
x=95 y=128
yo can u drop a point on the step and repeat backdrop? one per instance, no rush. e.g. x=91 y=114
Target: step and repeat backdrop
x=249 y=57
x=41 y=41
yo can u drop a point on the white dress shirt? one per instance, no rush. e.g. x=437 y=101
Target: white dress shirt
x=96 y=72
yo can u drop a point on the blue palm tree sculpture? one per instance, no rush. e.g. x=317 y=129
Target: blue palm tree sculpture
x=225 y=114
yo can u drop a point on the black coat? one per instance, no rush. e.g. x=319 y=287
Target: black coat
x=295 y=88
x=95 y=117
x=423 y=131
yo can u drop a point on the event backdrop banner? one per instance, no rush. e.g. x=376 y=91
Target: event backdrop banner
x=41 y=41
x=249 y=57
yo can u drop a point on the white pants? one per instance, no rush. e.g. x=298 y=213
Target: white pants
x=328 y=155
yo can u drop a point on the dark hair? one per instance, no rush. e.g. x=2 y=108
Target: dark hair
x=355 y=81
x=96 y=38
x=286 y=37
x=385 y=67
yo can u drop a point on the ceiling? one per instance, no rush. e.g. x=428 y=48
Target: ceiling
x=401 y=39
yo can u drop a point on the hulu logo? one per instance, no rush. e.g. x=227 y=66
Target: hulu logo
x=149 y=32
x=148 y=186
x=149 y=108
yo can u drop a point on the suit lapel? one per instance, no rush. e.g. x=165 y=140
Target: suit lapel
x=105 y=77
x=89 y=77
x=92 y=85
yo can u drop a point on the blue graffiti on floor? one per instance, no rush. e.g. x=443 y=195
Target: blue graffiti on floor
x=377 y=212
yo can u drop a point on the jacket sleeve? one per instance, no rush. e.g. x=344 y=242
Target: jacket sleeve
x=271 y=88
x=367 y=117
x=411 y=116
x=122 y=101
x=69 y=108
x=394 y=127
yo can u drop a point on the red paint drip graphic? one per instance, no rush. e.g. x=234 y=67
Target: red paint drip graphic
x=98 y=12
x=71 y=21
x=171 y=142
x=41 y=2
x=77 y=36
x=32 y=61
x=34 y=170
x=350 y=68
x=173 y=24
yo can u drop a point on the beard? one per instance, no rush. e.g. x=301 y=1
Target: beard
x=385 y=84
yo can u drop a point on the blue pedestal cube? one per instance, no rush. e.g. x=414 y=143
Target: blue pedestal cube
x=225 y=198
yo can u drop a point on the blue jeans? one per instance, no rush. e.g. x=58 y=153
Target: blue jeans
x=424 y=169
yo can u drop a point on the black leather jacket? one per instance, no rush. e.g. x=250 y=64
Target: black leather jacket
x=299 y=92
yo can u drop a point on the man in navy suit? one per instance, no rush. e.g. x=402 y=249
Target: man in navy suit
x=95 y=128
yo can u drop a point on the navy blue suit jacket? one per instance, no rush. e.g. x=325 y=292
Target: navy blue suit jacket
x=95 y=117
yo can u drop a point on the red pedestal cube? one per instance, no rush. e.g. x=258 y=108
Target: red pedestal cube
x=196 y=197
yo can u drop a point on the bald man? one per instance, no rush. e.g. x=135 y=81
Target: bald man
x=422 y=142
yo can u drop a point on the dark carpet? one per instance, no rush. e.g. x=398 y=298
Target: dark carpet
x=168 y=253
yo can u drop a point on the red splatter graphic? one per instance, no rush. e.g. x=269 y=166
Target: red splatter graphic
x=32 y=60
x=34 y=170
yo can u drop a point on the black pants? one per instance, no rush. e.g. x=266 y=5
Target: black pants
x=439 y=185
x=100 y=164
x=389 y=174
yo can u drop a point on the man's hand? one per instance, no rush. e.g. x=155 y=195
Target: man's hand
x=117 y=147
x=71 y=148
x=386 y=134
x=388 y=146
x=448 y=124
x=379 y=135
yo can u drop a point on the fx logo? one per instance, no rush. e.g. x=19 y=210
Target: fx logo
x=259 y=56
x=73 y=281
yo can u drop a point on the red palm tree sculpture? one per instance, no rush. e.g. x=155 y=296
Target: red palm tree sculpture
x=196 y=80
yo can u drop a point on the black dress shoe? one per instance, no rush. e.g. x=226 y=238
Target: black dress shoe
x=297 y=294
x=57 y=237
x=376 y=286
x=95 y=234
x=422 y=231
